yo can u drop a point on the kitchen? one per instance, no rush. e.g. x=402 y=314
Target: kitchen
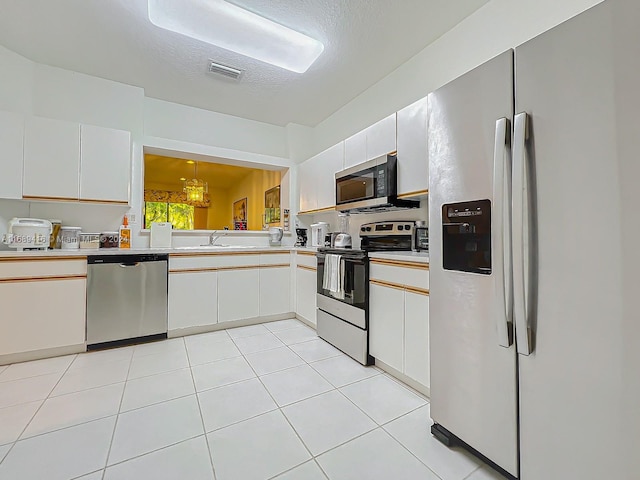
x=37 y=89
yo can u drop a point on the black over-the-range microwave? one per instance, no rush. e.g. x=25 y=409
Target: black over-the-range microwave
x=371 y=186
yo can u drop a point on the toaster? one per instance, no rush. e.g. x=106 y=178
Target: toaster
x=29 y=233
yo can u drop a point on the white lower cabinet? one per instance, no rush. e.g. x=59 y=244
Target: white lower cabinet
x=306 y=286
x=193 y=299
x=238 y=294
x=416 y=336
x=42 y=314
x=386 y=325
x=399 y=318
x=274 y=290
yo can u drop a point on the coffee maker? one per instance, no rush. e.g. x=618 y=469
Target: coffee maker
x=301 y=240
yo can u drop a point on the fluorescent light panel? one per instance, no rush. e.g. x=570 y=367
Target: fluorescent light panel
x=233 y=28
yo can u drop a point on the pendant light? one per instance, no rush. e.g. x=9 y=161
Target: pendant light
x=195 y=188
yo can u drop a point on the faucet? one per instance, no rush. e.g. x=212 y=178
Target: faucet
x=213 y=238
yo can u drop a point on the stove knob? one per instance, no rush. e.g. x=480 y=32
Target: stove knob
x=400 y=227
x=368 y=229
x=362 y=229
x=407 y=227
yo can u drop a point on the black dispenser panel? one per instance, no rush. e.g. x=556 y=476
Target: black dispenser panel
x=466 y=237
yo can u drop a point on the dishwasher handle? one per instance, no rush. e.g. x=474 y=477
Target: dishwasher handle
x=130 y=265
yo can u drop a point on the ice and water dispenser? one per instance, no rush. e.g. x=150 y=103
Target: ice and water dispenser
x=466 y=237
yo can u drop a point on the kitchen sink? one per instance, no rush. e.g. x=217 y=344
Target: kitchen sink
x=216 y=247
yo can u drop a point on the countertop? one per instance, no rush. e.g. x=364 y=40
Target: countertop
x=416 y=257
x=10 y=254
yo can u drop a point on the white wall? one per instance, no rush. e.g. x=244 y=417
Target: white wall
x=193 y=125
x=494 y=28
x=16 y=82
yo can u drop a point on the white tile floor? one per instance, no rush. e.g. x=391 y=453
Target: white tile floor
x=270 y=401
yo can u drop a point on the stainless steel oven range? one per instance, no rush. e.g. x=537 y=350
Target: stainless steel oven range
x=343 y=286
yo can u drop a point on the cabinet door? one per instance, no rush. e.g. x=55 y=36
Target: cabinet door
x=386 y=325
x=381 y=137
x=105 y=161
x=327 y=164
x=413 y=160
x=238 y=294
x=416 y=337
x=355 y=149
x=51 y=158
x=308 y=186
x=11 y=154
x=193 y=299
x=306 y=287
x=274 y=290
x=38 y=315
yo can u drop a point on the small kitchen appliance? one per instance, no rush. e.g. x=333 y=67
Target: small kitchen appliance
x=342 y=240
x=301 y=240
x=318 y=232
x=330 y=239
x=371 y=186
x=275 y=236
x=421 y=236
x=70 y=238
x=29 y=234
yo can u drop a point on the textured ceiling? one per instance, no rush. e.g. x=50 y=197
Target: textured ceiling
x=364 y=41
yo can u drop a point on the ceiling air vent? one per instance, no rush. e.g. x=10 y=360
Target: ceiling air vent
x=224 y=70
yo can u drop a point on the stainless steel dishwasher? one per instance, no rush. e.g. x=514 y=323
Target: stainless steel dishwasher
x=126 y=299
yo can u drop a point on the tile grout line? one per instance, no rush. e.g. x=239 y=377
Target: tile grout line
x=115 y=424
x=204 y=428
x=279 y=408
x=13 y=444
x=469 y=476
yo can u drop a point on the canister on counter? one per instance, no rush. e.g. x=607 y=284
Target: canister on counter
x=109 y=239
x=54 y=242
x=70 y=238
x=89 y=240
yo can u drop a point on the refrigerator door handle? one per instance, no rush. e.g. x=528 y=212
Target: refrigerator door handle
x=521 y=230
x=502 y=236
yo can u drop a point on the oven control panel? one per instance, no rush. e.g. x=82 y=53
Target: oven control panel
x=377 y=229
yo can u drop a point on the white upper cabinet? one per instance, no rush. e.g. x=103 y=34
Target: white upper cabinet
x=11 y=154
x=308 y=186
x=317 y=179
x=372 y=142
x=69 y=161
x=355 y=149
x=328 y=163
x=381 y=137
x=105 y=166
x=51 y=159
x=413 y=161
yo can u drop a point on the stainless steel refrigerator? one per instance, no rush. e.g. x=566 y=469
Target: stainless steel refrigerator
x=535 y=252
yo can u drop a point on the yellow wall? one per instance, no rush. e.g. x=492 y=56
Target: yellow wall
x=253 y=187
x=219 y=213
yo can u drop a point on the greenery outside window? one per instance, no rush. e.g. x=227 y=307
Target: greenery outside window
x=181 y=215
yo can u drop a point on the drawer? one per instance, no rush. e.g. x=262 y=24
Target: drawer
x=415 y=276
x=275 y=259
x=308 y=260
x=244 y=259
x=193 y=262
x=42 y=267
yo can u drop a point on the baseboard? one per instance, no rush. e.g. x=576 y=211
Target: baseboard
x=417 y=386
x=308 y=323
x=40 y=354
x=214 y=327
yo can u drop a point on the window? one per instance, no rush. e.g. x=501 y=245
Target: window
x=181 y=216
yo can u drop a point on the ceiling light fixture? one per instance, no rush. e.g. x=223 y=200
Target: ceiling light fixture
x=194 y=187
x=228 y=26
